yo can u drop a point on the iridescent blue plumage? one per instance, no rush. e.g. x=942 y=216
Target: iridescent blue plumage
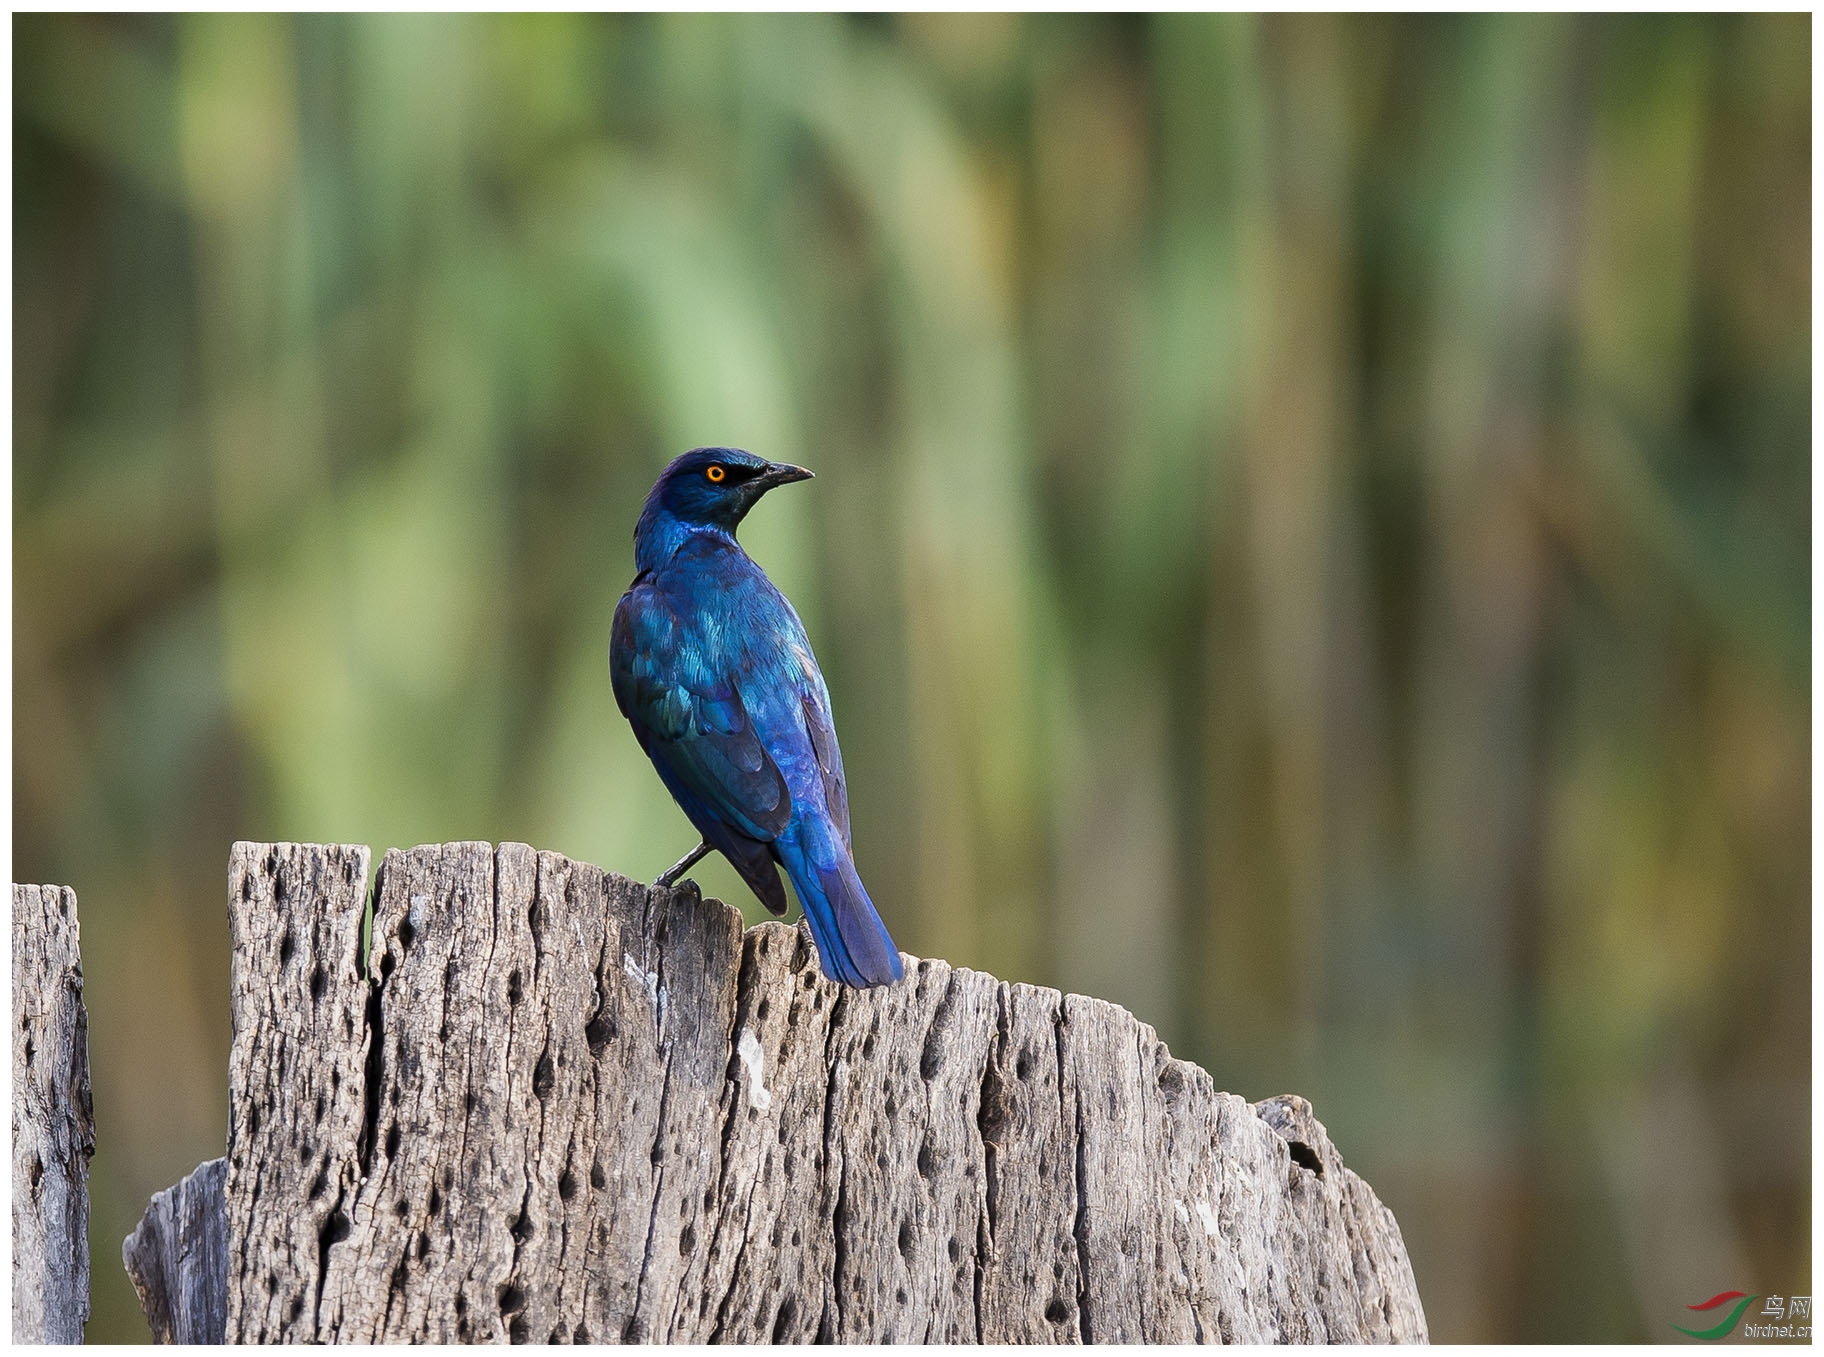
x=712 y=669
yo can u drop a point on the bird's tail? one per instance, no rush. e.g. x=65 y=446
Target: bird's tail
x=852 y=943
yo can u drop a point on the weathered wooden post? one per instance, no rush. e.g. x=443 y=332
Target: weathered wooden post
x=178 y=1259
x=53 y=1121
x=557 y=1105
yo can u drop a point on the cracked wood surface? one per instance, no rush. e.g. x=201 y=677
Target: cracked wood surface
x=573 y=1108
x=53 y=1120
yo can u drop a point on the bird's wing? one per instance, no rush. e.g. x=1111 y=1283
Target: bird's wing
x=691 y=721
x=822 y=730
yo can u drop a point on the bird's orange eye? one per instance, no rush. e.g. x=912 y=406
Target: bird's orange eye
x=716 y=474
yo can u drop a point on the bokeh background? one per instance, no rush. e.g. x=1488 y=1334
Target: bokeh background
x=1310 y=542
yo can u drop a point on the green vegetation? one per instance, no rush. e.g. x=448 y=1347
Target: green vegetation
x=1310 y=541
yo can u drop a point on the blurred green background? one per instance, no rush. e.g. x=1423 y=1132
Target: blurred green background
x=1310 y=542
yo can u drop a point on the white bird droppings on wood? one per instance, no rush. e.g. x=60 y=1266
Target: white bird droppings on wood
x=754 y=1058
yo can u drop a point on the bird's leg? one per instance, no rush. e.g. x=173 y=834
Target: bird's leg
x=669 y=877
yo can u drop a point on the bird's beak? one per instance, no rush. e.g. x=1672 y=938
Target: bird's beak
x=779 y=473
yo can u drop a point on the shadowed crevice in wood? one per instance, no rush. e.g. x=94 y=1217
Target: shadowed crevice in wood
x=573 y=1108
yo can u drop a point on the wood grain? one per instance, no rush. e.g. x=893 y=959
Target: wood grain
x=178 y=1258
x=53 y=1119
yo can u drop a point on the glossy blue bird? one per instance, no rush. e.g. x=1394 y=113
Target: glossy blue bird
x=712 y=668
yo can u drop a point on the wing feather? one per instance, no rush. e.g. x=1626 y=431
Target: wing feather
x=822 y=731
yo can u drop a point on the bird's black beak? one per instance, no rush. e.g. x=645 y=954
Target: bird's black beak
x=779 y=473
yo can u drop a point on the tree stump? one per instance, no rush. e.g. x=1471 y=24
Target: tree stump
x=53 y=1120
x=558 y=1105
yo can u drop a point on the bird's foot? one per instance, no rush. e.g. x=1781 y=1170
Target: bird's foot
x=671 y=876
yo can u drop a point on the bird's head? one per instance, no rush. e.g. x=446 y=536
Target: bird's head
x=715 y=487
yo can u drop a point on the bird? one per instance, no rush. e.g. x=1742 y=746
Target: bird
x=712 y=668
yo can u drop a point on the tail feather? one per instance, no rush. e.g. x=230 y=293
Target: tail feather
x=853 y=945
